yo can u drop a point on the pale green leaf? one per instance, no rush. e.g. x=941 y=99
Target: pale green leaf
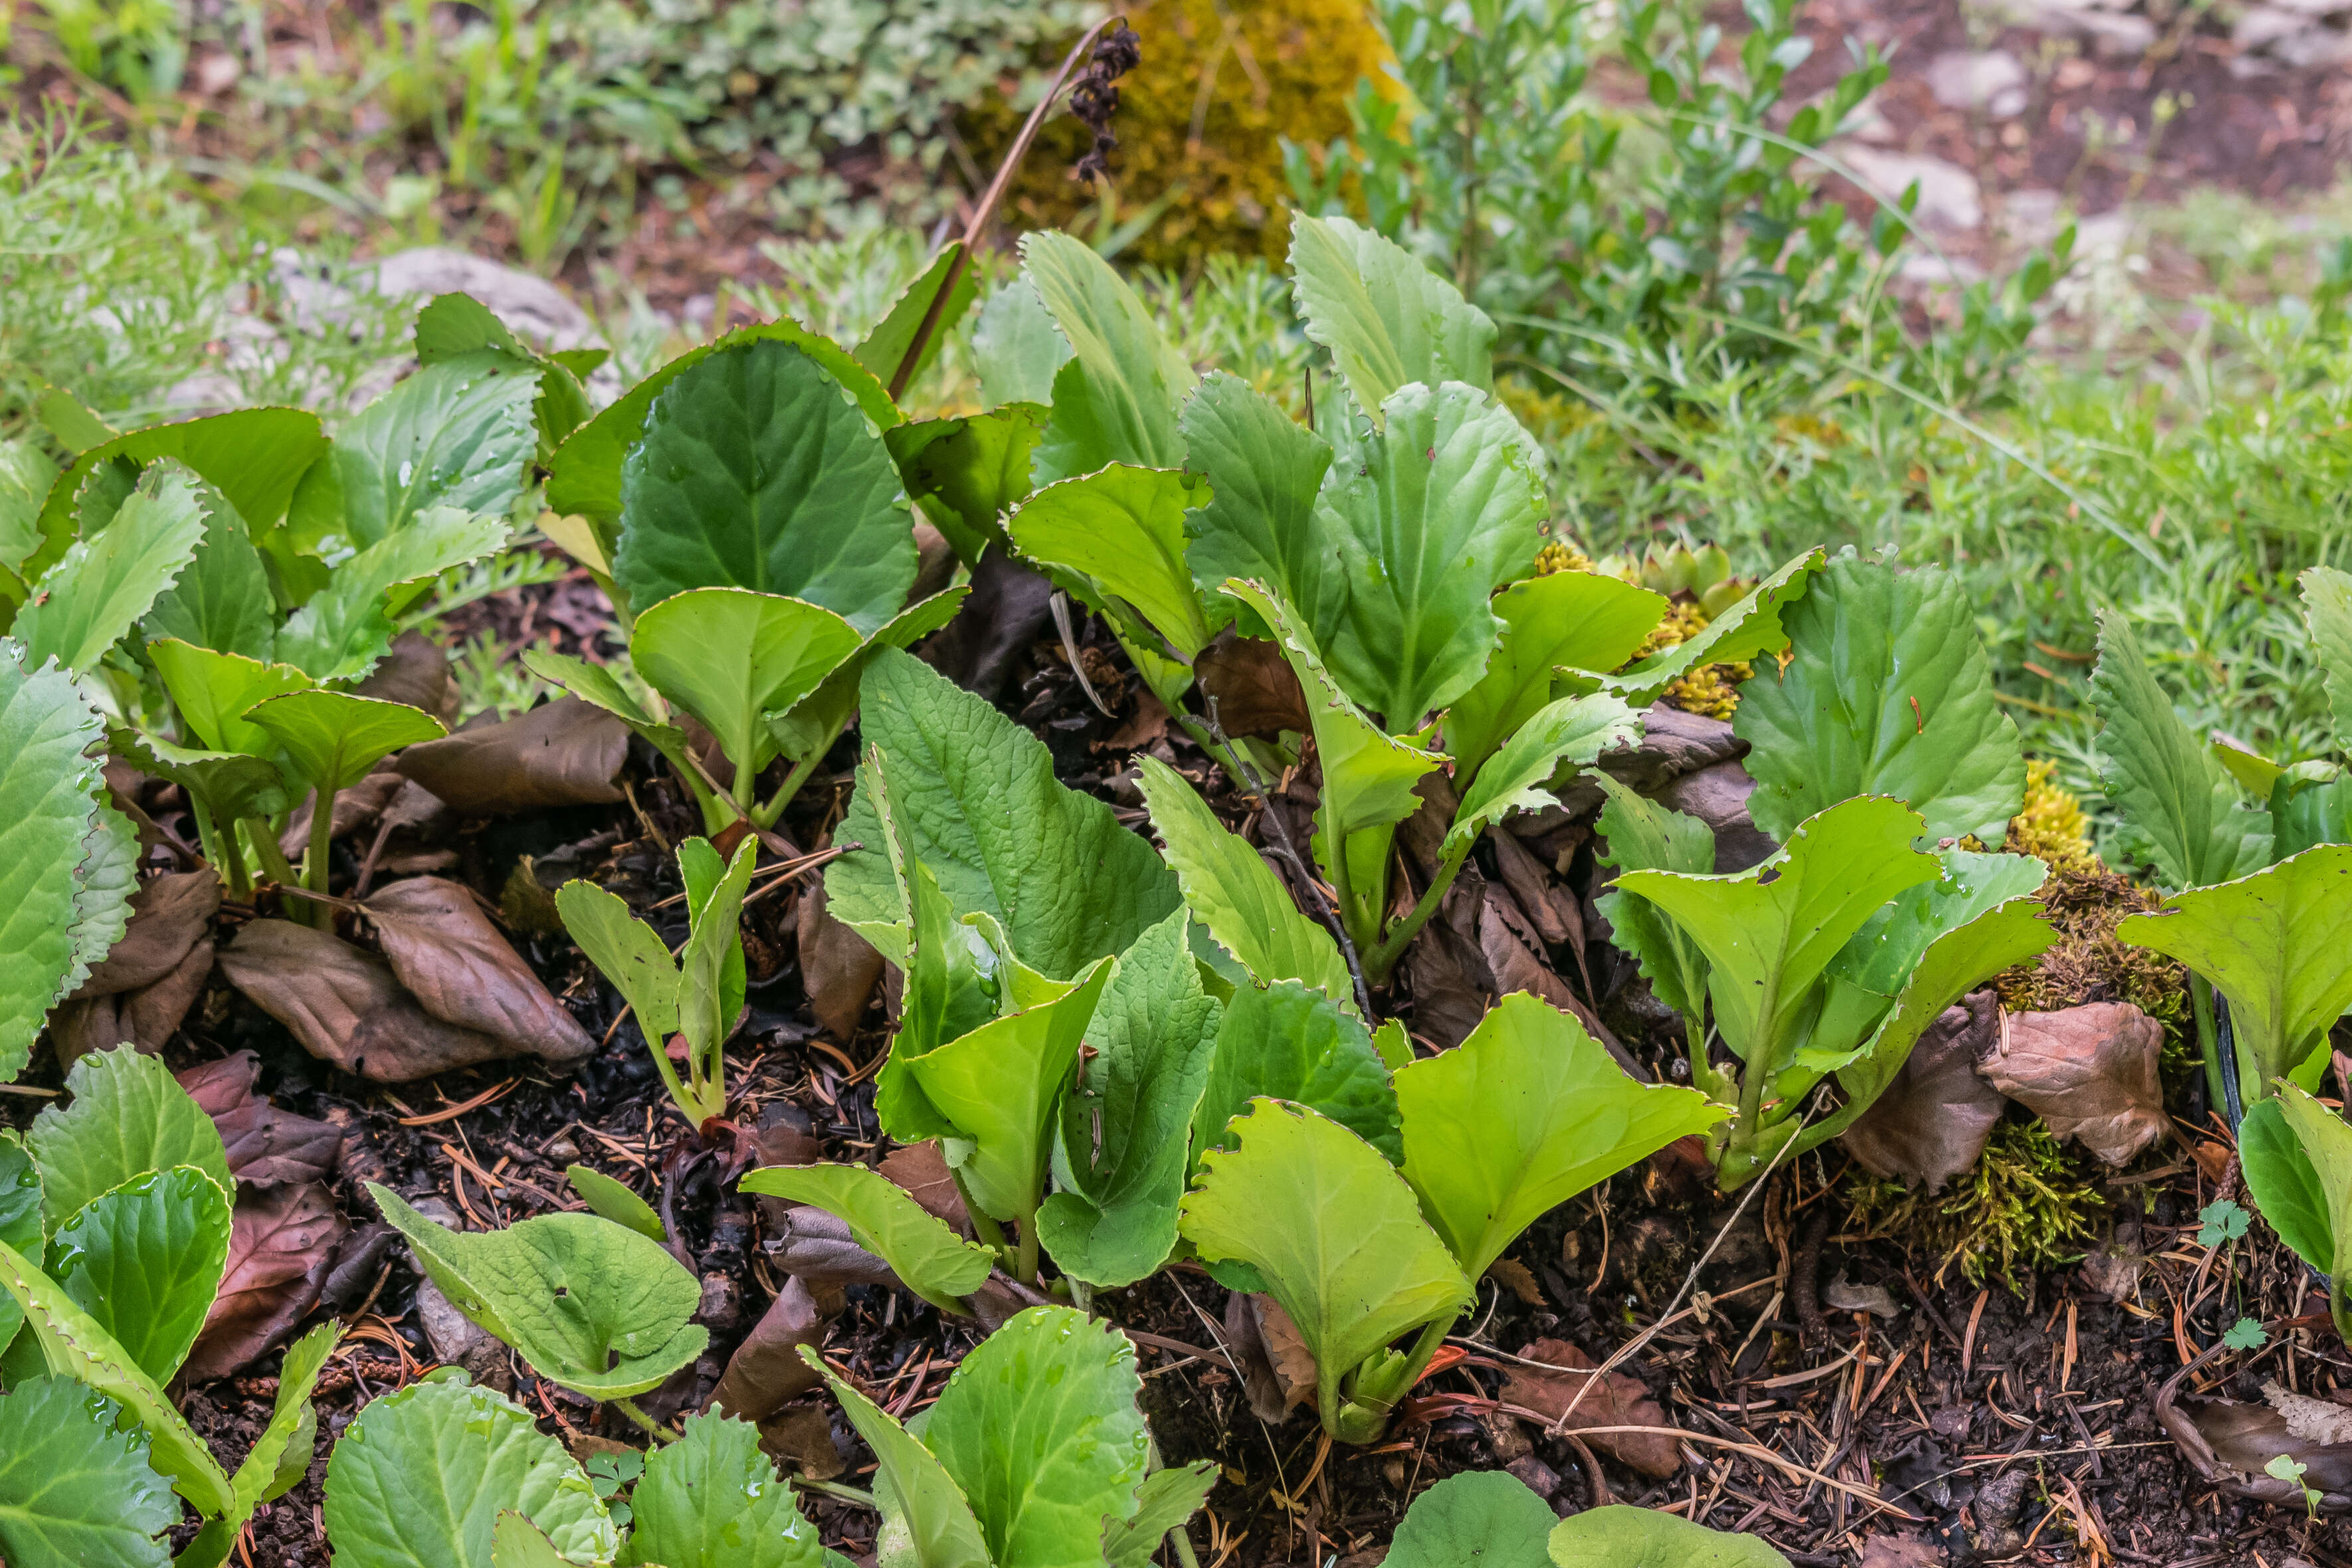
x=2274 y=943
x=26 y=476
x=1889 y=692
x=347 y=625
x=333 y=739
x=757 y=469
x=885 y=1219
x=1572 y=732
x=1522 y=1116
x=143 y=1261
x=1234 y=892
x=2285 y=1184
x=730 y=656
x=931 y=298
x=1116 y=400
x=1387 y=319
x=2169 y=789
x=1121 y=532
x=252 y=456
x=1039 y=1427
x=222 y=600
x=74 y=1491
x=1165 y=1502
x=1017 y=347
x=2327 y=612
x=968 y=472
x=615 y=1200
x=107 y=878
x=920 y=1501
x=1579 y=621
x=20 y=1218
x=50 y=781
x=980 y=805
x=1479 y=1519
x=281 y=1456
x=810 y=727
x=214 y=692
x=1621 y=1536
x=626 y=951
x=101 y=585
x=590 y=1304
x=1119 y=1162
x=423 y=1474
x=1333 y=1230
x=1640 y=834
x=710 y=967
x=712 y=1500
x=124 y=1116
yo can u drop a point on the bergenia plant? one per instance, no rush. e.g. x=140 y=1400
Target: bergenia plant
x=1369 y=546
x=755 y=532
x=2297 y=1157
x=697 y=996
x=1491 y=1516
x=114 y=1237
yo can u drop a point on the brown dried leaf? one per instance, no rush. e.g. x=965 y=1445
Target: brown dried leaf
x=1145 y=727
x=803 y=1436
x=1932 y=1121
x=1901 y=1552
x=266 y=1146
x=145 y=1017
x=1552 y=909
x=345 y=1004
x=416 y=671
x=169 y=915
x=839 y=967
x=1286 y=1352
x=1617 y=1401
x=766 y=1370
x=2090 y=1072
x=565 y=752
x=279 y=1245
x=455 y=962
x=1251 y=685
x=814 y=1246
x=1518 y=1279
x=356 y=806
x=922 y=1170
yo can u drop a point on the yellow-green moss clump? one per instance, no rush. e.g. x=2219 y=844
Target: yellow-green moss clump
x=1222 y=82
x=2030 y=1204
x=1712 y=689
x=2052 y=825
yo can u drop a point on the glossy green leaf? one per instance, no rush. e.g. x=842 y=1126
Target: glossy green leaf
x=1119 y=1162
x=1578 y=621
x=927 y=1258
x=1770 y=933
x=2325 y=1140
x=101 y=585
x=1526 y=1113
x=939 y=295
x=710 y=966
x=226 y=784
x=516 y=1543
x=1232 y=891
x=74 y=1346
x=1479 y=1519
x=423 y=1474
x=2170 y=788
x=1430 y=517
x=1889 y=693
x=1387 y=319
x=2327 y=613
x=1121 y=532
x=1639 y=835
x=2274 y=943
x=347 y=625
x=107 y=878
x=1334 y=1231
x=1286 y=1042
x=25 y=478
x=730 y=656
x=252 y=456
x=456 y=434
x=1751 y=627
x=712 y=1500
x=1000 y=1088
x=1116 y=400
x=590 y=1304
x=143 y=1261
x=617 y=1201
x=1572 y=732
x=281 y=1456
x=925 y=1519
x=222 y=601
x=333 y=739
x=49 y=782
x=1262 y=520
x=2286 y=1184
x=812 y=725
x=980 y=805
x=124 y=1116
x=969 y=471
x=20 y=1217
x=585 y=475
x=1164 y=1502
x=1620 y=1536
x=214 y=692
x=756 y=470
x=626 y=951
x=1017 y=347
x=1039 y=1427
x=74 y=1491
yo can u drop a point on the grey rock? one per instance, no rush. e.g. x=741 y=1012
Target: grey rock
x=1949 y=197
x=1672 y=743
x=457 y=1341
x=536 y=308
x=1718 y=796
x=1991 y=80
x=1535 y=1475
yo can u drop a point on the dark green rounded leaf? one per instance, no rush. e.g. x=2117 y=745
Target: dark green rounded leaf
x=2285 y=1187
x=126 y=1115
x=145 y=1261
x=74 y=1491
x=712 y=1500
x=1482 y=1519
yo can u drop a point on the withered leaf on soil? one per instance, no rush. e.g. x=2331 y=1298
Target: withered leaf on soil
x=814 y=1246
x=839 y=967
x=1000 y=1299
x=416 y=671
x=279 y=1247
x=1618 y=1401
x=766 y=1369
x=1901 y=1552
x=565 y=752
x=801 y=1436
x=455 y=962
x=1246 y=1346
x=1250 y=683
x=145 y=1017
x=266 y=1146
x=1934 y=1120
x=345 y=1004
x=922 y=1170
x=169 y=915
x=2090 y=1072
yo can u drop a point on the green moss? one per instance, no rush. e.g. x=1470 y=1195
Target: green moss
x=2029 y=1203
